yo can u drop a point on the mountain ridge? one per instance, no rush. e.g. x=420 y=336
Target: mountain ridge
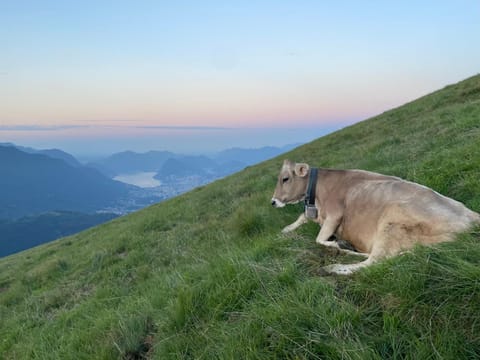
x=53 y=153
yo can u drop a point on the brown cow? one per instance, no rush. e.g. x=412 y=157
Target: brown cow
x=379 y=215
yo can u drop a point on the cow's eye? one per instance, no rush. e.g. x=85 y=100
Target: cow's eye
x=285 y=179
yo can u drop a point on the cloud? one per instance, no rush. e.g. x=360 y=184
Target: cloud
x=40 y=128
x=69 y=127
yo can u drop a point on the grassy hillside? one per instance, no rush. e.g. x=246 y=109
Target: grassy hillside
x=208 y=275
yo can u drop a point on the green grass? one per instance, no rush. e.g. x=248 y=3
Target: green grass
x=208 y=275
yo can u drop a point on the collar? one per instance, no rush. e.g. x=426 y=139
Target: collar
x=312 y=184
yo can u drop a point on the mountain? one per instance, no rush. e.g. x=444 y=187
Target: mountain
x=187 y=166
x=224 y=163
x=129 y=162
x=209 y=275
x=27 y=232
x=35 y=183
x=53 y=153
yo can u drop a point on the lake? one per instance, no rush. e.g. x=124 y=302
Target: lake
x=141 y=179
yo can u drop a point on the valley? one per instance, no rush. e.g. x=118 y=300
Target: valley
x=50 y=194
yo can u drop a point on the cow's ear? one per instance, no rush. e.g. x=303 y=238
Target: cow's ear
x=301 y=169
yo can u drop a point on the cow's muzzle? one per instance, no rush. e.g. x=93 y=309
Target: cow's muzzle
x=277 y=203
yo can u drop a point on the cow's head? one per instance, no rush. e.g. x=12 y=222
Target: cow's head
x=292 y=184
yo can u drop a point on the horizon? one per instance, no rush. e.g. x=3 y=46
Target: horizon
x=97 y=78
x=212 y=141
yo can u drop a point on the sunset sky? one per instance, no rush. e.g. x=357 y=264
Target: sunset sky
x=93 y=77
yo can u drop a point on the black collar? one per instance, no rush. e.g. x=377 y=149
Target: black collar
x=312 y=184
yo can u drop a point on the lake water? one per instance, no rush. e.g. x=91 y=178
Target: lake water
x=141 y=179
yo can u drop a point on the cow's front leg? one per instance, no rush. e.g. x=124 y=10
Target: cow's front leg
x=300 y=221
x=329 y=227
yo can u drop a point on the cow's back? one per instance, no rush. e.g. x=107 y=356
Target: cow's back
x=375 y=205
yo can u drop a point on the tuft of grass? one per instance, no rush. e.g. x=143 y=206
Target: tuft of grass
x=247 y=223
x=133 y=337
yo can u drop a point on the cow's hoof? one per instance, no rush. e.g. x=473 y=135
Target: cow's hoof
x=339 y=269
x=286 y=230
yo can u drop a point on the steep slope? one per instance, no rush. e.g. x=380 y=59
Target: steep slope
x=208 y=275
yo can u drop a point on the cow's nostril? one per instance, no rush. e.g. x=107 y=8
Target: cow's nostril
x=273 y=202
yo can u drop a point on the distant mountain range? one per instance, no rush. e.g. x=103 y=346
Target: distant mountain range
x=168 y=164
x=36 y=181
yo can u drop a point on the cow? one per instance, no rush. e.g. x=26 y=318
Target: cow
x=379 y=215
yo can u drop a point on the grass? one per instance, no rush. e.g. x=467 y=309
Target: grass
x=208 y=275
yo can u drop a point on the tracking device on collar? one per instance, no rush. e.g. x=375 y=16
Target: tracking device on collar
x=311 y=211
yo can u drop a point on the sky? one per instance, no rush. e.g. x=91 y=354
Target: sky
x=96 y=77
